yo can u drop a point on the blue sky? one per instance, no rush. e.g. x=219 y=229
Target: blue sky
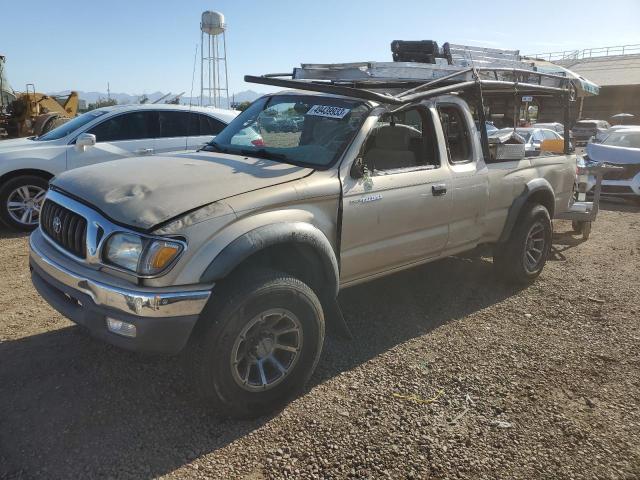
x=141 y=46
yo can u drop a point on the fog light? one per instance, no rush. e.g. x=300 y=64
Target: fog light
x=121 y=328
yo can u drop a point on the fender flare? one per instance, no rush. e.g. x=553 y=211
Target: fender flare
x=537 y=186
x=260 y=238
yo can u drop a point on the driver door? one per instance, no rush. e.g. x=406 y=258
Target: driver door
x=397 y=215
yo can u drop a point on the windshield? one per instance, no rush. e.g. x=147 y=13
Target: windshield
x=306 y=130
x=587 y=124
x=66 y=128
x=623 y=139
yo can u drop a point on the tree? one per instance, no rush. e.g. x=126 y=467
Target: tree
x=102 y=102
x=243 y=106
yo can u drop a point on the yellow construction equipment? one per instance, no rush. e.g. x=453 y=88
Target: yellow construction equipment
x=32 y=113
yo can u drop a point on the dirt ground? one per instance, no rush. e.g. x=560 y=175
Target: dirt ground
x=451 y=375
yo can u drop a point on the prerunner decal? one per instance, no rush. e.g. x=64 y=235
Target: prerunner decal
x=328 y=111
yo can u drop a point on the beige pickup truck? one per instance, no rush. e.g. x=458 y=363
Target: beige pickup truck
x=237 y=253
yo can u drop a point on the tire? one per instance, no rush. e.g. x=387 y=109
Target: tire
x=230 y=327
x=514 y=259
x=41 y=121
x=14 y=192
x=576 y=226
x=55 y=123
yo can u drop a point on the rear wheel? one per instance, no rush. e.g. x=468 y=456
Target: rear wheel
x=523 y=257
x=260 y=343
x=21 y=199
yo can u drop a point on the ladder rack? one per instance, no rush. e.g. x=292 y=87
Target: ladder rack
x=452 y=63
x=399 y=89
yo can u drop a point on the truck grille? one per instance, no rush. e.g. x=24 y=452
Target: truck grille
x=64 y=227
x=628 y=172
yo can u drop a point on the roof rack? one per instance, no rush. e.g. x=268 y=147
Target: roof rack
x=402 y=90
x=421 y=70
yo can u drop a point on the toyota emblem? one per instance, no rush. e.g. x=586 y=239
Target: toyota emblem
x=57 y=224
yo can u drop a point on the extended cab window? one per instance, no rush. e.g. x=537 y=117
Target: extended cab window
x=401 y=140
x=456 y=134
x=128 y=126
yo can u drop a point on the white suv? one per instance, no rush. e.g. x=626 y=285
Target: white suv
x=27 y=164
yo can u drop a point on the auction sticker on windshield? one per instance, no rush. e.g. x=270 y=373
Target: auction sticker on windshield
x=328 y=111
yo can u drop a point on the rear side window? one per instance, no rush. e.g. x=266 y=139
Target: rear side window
x=128 y=126
x=456 y=134
x=210 y=126
x=173 y=124
x=204 y=125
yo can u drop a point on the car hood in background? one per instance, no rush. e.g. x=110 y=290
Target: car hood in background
x=145 y=191
x=18 y=144
x=610 y=154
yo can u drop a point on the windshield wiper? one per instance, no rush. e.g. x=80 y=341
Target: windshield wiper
x=215 y=146
x=263 y=153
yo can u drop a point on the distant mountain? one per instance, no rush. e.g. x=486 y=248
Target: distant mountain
x=125 y=98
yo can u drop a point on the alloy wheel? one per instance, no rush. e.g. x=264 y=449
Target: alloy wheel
x=267 y=349
x=24 y=204
x=534 y=247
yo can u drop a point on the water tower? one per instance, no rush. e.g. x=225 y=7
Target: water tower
x=214 y=79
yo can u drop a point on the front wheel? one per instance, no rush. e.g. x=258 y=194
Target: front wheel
x=21 y=199
x=260 y=342
x=524 y=255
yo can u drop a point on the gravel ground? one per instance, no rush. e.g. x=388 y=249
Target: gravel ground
x=451 y=375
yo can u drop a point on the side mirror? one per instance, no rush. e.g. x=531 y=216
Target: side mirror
x=358 y=168
x=85 y=140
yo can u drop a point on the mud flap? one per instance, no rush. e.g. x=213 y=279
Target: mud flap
x=336 y=324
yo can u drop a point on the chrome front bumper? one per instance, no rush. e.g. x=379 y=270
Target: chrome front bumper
x=142 y=302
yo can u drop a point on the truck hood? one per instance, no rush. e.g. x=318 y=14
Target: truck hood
x=145 y=191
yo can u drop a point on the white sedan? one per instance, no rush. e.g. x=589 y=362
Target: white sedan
x=27 y=164
x=621 y=148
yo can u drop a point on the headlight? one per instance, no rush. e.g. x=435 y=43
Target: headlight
x=141 y=255
x=124 y=250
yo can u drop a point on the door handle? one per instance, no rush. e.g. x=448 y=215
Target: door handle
x=144 y=151
x=438 y=190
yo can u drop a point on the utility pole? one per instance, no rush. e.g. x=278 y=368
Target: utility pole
x=108 y=92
